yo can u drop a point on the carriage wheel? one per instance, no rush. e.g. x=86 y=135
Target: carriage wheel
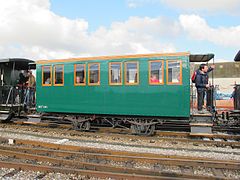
x=143 y=129
x=81 y=126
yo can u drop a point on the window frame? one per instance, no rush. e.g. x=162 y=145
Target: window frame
x=75 y=71
x=50 y=75
x=109 y=74
x=125 y=73
x=149 y=72
x=174 y=83
x=54 y=75
x=94 y=84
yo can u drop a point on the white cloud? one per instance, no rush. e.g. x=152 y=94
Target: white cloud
x=198 y=29
x=204 y=6
x=139 y=3
x=132 y=5
x=136 y=35
x=30 y=29
x=230 y=6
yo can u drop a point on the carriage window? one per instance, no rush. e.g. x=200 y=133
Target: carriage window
x=174 y=72
x=58 y=75
x=156 y=72
x=115 y=73
x=131 y=73
x=79 y=74
x=46 y=75
x=94 y=74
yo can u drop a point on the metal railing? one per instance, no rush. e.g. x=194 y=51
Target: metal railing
x=16 y=95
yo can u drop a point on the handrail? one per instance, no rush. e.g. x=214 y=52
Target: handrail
x=9 y=94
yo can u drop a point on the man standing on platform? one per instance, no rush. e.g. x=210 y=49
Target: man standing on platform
x=202 y=84
x=30 y=94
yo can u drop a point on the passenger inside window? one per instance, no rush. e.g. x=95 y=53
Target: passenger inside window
x=115 y=73
x=58 y=74
x=46 y=79
x=154 y=79
x=79 y=80
x=80 y=74
x=94 y=74
x=132 y=73
x=174 y=72
x=156 y=72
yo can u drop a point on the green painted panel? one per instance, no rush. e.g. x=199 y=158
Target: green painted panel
x=143 y=99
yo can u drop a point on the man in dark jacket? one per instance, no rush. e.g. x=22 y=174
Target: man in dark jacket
x=201 y=83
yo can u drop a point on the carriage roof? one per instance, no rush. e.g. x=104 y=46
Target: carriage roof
x=18 y=63
x=192 y=57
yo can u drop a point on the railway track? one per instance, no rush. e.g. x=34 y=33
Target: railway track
x=174 y=126
x=104 y=163
x=219 y=140
x=151 y=146
x=11 y=173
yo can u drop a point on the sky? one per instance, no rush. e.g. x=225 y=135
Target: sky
x=54 y=29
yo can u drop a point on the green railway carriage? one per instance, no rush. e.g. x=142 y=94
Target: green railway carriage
x=151 y=85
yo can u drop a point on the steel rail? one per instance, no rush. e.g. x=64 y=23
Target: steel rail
x=92 y=168
x=131 y=145
x=111 y=130
x=133 y=158
x=78 y=164
x=219 y=140
x=88 y=173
